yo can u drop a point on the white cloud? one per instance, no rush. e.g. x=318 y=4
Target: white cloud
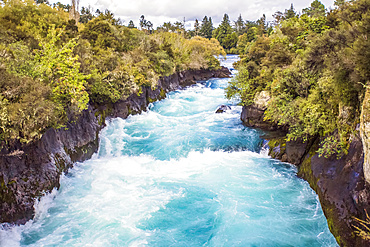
x=160 y=11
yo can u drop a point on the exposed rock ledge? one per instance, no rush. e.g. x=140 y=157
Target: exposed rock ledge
x=27 y=171
x=339 y=183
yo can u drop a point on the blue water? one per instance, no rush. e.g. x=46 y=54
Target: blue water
x=178 y=175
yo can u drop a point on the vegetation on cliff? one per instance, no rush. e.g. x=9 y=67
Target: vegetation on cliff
x=363 y=228
x=51 y=67
x=315 y=67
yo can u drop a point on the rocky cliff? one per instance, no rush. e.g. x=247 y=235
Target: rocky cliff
x=339 y=183
x=28 y=171
x=365 y=132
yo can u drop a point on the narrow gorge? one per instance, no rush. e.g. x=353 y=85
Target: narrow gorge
x=28 y=171
x=179 y=173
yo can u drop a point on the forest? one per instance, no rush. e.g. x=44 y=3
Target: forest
x=313 y=66
x=55 y=60
x=310 y=72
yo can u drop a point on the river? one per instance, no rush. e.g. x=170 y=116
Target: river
x=179 y=175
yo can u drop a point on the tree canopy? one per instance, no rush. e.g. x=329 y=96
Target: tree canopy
x=51 y=67
x=206 y=28
x=315 y=67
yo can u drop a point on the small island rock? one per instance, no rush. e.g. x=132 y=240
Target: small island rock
x=223 y=108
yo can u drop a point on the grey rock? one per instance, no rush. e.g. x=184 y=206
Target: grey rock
x=223 y=108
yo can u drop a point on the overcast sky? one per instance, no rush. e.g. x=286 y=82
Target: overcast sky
x=160 y=11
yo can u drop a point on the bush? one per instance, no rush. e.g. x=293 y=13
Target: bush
x=312 y=72
x=50 y=68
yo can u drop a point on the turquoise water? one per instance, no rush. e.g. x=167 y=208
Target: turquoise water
x=178 y=175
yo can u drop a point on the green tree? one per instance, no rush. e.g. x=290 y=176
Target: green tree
x=240 y=26
x=262 y=26
x=145 y=25
x=196 y=27
x=222 y=32
x=177 y=27
x=26 y=109
x=278 y=17
x=166 y=27
x=104 y=32
x=230 y=41
x=42 y=2
x=312 y=67
x=60 y=68
x=289 y=13
x=339 y=3
x=225 y=26
x=206 y=28
x=50 y=70
x=86 y=15
x=59 y=5
x=317 y=9
x=131 y=24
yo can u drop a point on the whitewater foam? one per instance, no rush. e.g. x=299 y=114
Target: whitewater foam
x=181 y=175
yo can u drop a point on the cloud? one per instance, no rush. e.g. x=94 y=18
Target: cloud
x=160 y=11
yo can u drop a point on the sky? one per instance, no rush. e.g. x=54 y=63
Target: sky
x=160 y=11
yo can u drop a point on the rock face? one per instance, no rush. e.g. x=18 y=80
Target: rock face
x=342 y=189
x=252 y=116
x=261 y=99
x=365 y=133
x=292 y=152
x=339 y=183
x=27 y=171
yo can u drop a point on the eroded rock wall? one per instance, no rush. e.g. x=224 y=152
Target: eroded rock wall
x=365 y=133
x=27 y=171
x=340 y=183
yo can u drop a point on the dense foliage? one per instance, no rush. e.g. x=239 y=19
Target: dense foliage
x=315 y=67
x=232 y=35
x=51 y=67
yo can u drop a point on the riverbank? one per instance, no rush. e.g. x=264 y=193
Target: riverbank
x=29 y=171
x=339 y=183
